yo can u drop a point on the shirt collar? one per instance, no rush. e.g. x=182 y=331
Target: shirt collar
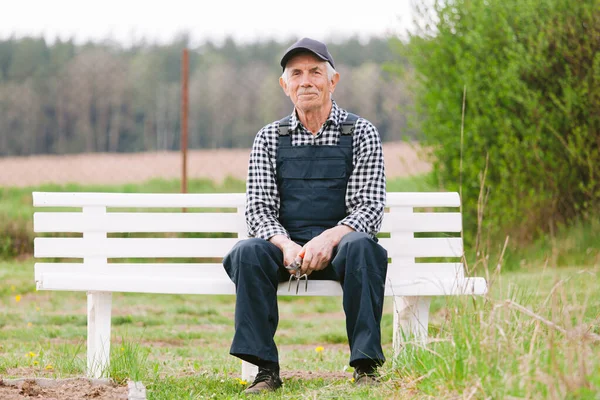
x=336 y=116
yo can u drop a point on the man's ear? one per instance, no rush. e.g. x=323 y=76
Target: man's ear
x=284 y=86
x=334 y=81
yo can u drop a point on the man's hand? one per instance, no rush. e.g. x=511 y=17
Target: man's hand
x=291 y=250
x=317 y=253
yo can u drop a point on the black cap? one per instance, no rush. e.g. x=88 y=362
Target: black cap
x=305 y=44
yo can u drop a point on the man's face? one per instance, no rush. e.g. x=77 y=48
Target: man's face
x=307 y=85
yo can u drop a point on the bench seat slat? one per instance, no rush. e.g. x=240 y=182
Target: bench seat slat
x=212 y=247
x=422 y=199
x=117 y=222
x=424 y=247
x=140 y=222
x=138 y=200
x=422 y=222
x=132 y=248
x=432 y=271
x=186 y=285
x=191 y=200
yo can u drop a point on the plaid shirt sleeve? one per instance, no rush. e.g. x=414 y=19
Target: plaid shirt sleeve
x=365 y=197
x=262 y=196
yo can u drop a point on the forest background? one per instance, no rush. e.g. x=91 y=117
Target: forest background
x=63 y=98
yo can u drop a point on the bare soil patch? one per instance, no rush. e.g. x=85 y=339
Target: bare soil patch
x=401 y=159
x=66 y=389
x=308 y=375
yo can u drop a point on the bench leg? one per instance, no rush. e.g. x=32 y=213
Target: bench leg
x=249 y=371
x=98 y=336
x=411 y=318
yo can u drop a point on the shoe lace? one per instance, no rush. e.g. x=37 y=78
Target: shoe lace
x=264 y=375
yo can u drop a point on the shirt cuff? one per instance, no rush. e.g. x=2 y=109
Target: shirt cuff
x=268 y=230
x=355 y=223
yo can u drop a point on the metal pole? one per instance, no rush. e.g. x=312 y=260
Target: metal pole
x=184 y=118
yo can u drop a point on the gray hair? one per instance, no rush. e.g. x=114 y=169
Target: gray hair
x=330 y=73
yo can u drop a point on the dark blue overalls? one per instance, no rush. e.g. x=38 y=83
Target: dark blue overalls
x=312 y=183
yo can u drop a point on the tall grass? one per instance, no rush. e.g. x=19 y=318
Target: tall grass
x=129 y=361
x=537 y=340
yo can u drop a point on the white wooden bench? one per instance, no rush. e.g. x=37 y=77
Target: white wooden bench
x=411 y=283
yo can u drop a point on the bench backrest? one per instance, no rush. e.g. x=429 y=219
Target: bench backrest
x=98 y=216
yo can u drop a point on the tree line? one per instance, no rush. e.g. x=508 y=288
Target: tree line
x=65 y=98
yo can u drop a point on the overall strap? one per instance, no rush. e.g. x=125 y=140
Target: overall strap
x=284 y=131
x=284 y=126
x=347 y=128
x=348 y=124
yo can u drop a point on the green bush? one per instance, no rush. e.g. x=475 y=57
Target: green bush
x=16 y=237
x=531 y=69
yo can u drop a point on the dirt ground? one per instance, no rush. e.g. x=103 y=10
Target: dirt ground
x=401 y=159
x=68 y=389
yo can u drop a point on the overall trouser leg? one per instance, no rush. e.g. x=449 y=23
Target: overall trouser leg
x=253 y=266
x=361 y=264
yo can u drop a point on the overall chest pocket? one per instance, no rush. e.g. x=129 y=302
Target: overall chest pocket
x=329 y=172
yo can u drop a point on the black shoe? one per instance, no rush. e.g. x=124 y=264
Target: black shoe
x=366 y=377
x=266 y=381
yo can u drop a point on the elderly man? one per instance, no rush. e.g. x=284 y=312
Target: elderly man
x=316 y=196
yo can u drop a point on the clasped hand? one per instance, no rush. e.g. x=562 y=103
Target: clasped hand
x=317 y=253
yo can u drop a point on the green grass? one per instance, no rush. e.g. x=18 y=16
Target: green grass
x=16 y=203
x=532 y=337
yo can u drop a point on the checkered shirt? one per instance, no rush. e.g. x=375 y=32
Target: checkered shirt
x=365 y=195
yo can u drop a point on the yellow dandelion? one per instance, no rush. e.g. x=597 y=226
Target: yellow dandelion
x=31 y=354
x=35 y=363
x=241 y=381
x=319 y=349
x=48 y=367
x=352 y=380
x=18 y=298
x=29 y=324
x=37 y=309
x=122 y=348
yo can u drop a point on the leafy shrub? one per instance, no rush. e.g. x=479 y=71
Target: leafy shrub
x=531 y=69
x=16 y=237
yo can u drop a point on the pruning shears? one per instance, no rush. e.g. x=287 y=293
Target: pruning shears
x=297 y=275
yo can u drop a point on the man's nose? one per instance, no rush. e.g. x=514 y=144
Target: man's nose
x=305 y=81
